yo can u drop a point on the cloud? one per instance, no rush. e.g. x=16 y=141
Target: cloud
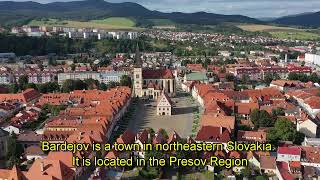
x=252 y=8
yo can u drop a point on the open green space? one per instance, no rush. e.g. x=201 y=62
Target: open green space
x=296 y=35
x=283 y=32
x=116 y=21
x=112 y=23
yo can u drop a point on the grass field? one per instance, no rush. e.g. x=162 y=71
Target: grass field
x=282 y=32
x=116 y=21
x=258 y=27
x=113 y=23
x=296 y=35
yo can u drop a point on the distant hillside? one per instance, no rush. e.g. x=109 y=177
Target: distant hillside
x=306 y=19
x=12 y=13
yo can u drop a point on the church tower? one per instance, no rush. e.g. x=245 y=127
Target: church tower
x=137 y=74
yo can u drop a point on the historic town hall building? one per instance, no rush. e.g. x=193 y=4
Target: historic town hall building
x=150 y=82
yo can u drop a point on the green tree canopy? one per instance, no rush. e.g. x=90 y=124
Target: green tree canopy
x=285 y=130
x=14 y=151
x=125 y=81
x=261 y=118
x=70 y=85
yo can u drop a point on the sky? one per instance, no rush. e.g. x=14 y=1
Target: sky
x=251 y=8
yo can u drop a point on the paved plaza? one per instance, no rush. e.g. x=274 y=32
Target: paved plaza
x=181 y=120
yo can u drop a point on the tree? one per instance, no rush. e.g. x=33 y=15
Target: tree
x=125 y=81
x=247 y=172
x=23 y=81
x=31 y=85
x=206 y=62
x=70 y=85
x=245 y=79
x=14 y=88
x=48 y=87
x=91 y=83
x=314 y=78
x=293 y=76
x=284 y=130
x=14 y=151
x=73 y=67
x=277 y=112
x=269 y=77
x=261 y=178
x=103 y=86
x=149 y=173
x=229 y=77
x=261 y=118
x=112 y=84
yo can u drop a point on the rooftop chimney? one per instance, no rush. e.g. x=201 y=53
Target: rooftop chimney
x=41 y=166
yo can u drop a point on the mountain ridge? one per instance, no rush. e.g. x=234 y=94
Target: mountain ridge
x=94 y=9
x=304 y=19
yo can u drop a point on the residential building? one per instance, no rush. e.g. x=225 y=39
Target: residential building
x=111 y=76
x=26 y=96
x=287 y=154
x=252 y=136
x=78 y=76
x=312 y=58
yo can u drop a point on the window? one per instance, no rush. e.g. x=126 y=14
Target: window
x=137 y=76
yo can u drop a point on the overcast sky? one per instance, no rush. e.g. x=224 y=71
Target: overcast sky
x=252 y=8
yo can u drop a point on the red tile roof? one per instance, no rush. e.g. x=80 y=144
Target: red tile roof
x=218 y=120
x=25 y=97
x=49 y=169
x=289 y=150
x=126 y=138
x=157 y=74
x=213 y=134
x=252 y=136
x=268 y=162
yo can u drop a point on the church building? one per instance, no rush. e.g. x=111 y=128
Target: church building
x=149 y=83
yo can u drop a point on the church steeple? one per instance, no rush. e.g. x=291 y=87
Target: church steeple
x=138 y=61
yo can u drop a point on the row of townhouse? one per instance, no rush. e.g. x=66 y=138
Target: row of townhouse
x=308 y=101
x=73 y=32
x=36 y=77
x=259 y=73
x=206 y=93
x=102 y=77
x=90 y=120
x=297 y=162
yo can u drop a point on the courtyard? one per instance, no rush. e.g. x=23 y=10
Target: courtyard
x=181 y=120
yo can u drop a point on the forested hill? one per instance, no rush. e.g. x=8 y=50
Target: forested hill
x=19 y=12
x=308 y=19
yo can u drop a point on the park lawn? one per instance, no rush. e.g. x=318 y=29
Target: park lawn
x=282 y=32
x=159 y=44
x=107 y=24
x=198 y=176
x=259 y=27
x=116 y=21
